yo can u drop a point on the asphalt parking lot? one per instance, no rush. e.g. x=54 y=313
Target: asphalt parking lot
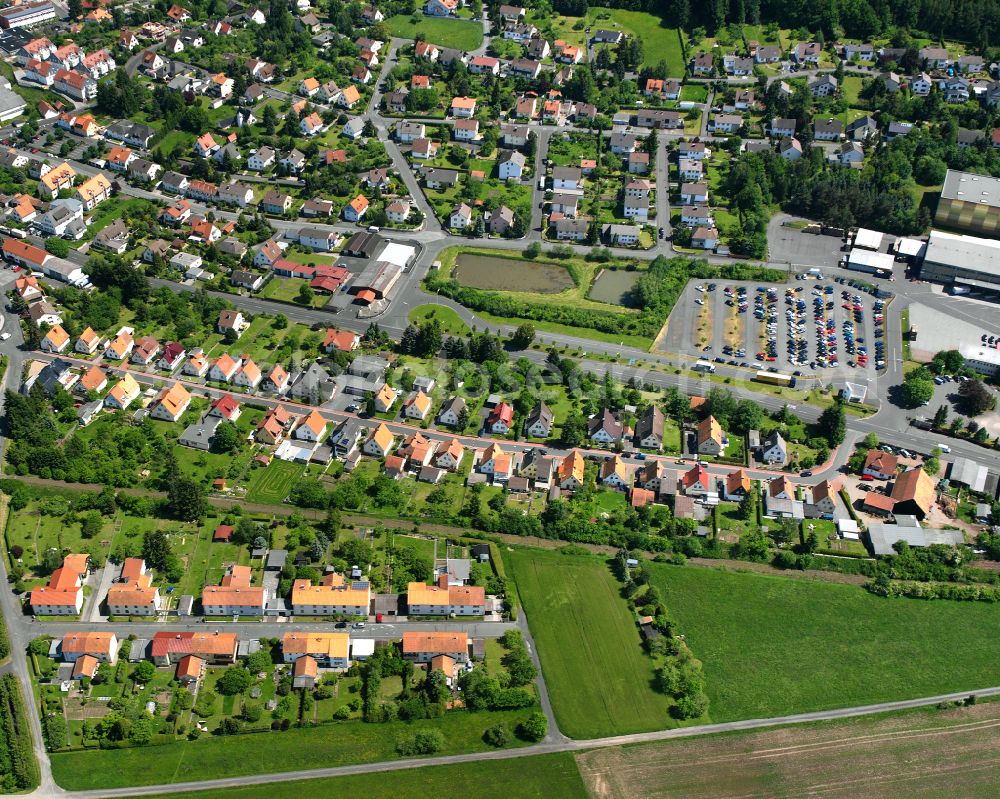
x=793 y=246
x=806 y=326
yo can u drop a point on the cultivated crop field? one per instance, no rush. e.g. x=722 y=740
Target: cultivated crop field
x=777 y=645
x=928 y=754
x=596 y=672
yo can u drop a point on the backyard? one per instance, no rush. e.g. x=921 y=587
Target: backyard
x=776 y=645
x=597 y=675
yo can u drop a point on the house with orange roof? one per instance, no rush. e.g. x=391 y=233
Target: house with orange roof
x=913 y=494
x=172 y=403
x=614 y=473
x=422 y=647
x=134 y=596
x=569 y=474
x=821 y=497
x=93 y=191
x=379 y=443
x=206 y=145
x=737 y=485
x=418 y=405
x=121 y=346
x=28 y=288
x=94 y=379
x=276 y=381
x=63 y=595
x=102 y=646
x=56 y=340
x=333 y=596
x=119 y=158
x=308 y=87
x=880 y=465
x=711 y=439
x=343 y=340
x=349 y=97
x=329 y=649
x=312 y=428
x=449 y=455
x=214 y=648
x=311 y=124
x=640 y=497
x=272 y=428
x=87 y=342
x=24 y=210
x=189 y=669
x=123 y=393
x=55 y=180
x=84 y=667
x=235 y=595
x=197 y=365
x=305 y=672
x=463 y=107
x=781 y=488
x=445 y=600
x=385 y=398
x=355 y=210
x=248 y=375
x=224 y=369
x=226 y=407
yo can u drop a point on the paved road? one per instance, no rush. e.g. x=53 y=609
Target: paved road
x=543 y=748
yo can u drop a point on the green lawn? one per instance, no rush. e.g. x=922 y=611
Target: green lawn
x=214 y=757
x=445 y=32
x=596 y=672
x=451 y=322
x=539 y=777
x=271 y=484
x=660 y=42
x=777 y=645
x=287 y=289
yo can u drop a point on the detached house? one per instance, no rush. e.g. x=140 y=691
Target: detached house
x=711 y=439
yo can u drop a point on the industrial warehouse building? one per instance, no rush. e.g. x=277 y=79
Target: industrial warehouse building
x=970 y=202
x=963 y=260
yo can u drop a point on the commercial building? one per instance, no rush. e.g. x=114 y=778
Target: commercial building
x=985 y=360
x=970 y=202
x=965 y=260
x=24 y=16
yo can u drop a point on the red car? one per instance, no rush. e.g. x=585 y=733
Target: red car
x=867 y=477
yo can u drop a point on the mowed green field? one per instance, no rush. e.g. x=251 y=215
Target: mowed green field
x=455 y=33
x=271 y=484
x=539 y=777
x=777 y=645
x=214 y=757
x=660 y=43
x=597 y=675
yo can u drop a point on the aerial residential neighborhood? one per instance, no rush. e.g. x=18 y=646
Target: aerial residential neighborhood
x=499 y=400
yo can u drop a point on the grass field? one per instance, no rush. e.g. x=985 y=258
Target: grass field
x=776 y=645
x=539 y=777
x=596 y=672
x=232 y=756
x=659 y=41
x=445 y=32
x=451 y=322
x=925 y=754
x=272 y=483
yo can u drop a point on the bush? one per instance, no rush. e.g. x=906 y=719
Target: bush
x=533 y=728
x=425 y=742
x=497 y=735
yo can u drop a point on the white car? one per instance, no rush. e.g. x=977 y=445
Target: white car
x=4 y=336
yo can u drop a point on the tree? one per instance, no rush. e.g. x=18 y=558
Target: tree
x=941 y=416
x=58 y=247
x=234 y=680
x=497 y=736
x=523 y=337
x=916 y=391
x=90 y=524
x=534 y=728
x=144 y=671
x=305 y=295
x=975 y=398
x=156 y=549
x=832 y=424
x=186 y=499
x=748 y=506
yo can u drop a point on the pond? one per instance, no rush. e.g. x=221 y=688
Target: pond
x=505 y=274
x=614 y=286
